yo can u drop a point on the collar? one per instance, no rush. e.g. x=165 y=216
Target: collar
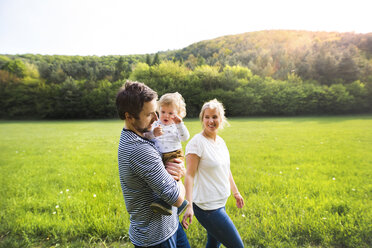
x=136 y=135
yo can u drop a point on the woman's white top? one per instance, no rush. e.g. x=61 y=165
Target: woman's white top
x=211 y=181
x=171 y=138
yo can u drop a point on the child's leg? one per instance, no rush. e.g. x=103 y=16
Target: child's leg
x=170 y=156
x=160 y=206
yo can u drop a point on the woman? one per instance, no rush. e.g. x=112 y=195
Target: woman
x=208 y=180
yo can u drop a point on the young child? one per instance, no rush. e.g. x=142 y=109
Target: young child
x=168 y=132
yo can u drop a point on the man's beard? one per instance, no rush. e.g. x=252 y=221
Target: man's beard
x=142 y=130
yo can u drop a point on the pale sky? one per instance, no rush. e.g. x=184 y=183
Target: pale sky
x=121 y=27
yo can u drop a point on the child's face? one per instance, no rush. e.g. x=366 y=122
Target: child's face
x=167 y=113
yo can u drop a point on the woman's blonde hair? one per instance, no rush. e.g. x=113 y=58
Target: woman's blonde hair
x=175 y=100
x=214 y=104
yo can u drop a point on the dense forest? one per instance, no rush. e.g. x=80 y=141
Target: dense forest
x=257 y=73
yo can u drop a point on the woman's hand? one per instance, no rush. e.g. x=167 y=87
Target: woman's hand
x=188 y=215
x=239 y=200
x=176 y=169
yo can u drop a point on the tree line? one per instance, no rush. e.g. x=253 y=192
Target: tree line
x=257 y=73
x=87 y=89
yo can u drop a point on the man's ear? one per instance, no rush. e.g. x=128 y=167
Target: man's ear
x=128 y=116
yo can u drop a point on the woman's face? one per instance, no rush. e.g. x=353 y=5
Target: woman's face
x=211 y=120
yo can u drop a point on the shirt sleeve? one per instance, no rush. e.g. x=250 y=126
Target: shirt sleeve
x=146 y=162
x=194 y=147
x=149 y=135
x=183 y=133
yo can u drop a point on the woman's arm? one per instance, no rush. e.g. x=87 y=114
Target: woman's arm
x=239 y=199
x=192 y=162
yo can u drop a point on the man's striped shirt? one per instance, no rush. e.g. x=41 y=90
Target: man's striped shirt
x=143 y=179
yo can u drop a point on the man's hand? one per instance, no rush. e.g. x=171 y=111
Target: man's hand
x=158 y=131
x=176 y=169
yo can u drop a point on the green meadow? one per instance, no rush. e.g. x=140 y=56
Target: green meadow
x=306 y=181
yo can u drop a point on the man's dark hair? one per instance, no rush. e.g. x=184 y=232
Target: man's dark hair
x=131 y=98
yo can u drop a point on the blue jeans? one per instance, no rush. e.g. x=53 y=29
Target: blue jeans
x=178 y=240
x=220 y=228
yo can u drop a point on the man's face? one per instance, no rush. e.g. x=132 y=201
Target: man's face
x=146 y=117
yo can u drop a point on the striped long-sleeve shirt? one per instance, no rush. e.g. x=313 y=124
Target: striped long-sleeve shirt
x=143 y=178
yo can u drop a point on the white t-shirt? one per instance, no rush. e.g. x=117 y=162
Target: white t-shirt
x=211 y=181
x=172 y=136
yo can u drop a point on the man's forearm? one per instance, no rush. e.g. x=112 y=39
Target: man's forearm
x=181 y=196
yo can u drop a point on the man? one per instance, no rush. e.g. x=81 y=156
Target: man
x=142 y=174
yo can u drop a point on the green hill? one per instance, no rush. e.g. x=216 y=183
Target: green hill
x=327 y=57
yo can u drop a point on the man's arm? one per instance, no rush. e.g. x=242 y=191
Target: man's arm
x=177 y=170
x=181 y=196
x=148 y=165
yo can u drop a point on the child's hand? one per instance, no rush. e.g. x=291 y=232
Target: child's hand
x=158 y=131
x=176 y=119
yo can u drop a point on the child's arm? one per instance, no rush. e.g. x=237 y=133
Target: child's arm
x=183 y=133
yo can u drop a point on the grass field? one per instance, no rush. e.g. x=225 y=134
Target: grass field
x=307 y=182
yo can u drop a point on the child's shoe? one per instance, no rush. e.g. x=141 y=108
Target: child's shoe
x=160 y=206
x=183 y=207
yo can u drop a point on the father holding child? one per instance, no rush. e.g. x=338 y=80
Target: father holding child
x=143 y=176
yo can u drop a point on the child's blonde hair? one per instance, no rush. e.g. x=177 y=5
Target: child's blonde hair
x=175 y=100
x=215 y=104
